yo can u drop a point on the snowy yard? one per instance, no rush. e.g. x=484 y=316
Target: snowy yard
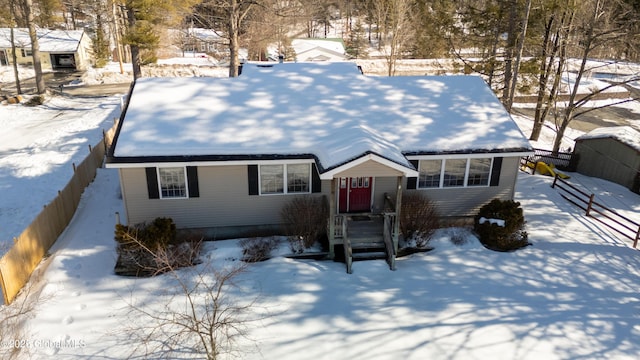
x=573 y=294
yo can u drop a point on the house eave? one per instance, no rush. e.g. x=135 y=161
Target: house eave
x=511 y=152
x=405 y=170
x=205 y=160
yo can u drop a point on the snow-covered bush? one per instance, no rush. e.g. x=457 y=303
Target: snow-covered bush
x=500 y=225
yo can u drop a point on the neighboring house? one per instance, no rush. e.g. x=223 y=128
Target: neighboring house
x=59 y=49
x=225 y=154
x=204 y=41
x=319 y=50
x=611 y=153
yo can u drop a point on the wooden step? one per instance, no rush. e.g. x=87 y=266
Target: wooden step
x=376 y=255
x=367 y=246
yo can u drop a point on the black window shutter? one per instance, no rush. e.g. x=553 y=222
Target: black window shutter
x=192 y=180
x=152 y=183
x=495 y=172
x=412 y=182
x=316 y=183
x=252 y=171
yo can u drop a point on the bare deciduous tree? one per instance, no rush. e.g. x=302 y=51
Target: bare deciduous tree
x=196 y=315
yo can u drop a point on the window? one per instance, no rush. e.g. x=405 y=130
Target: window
x=27 y=52
x=454 y=173
x=479 y=170
x=430 y=171
x=273 y=178
x=172 y=182
x=298 y=178
x=454 y=170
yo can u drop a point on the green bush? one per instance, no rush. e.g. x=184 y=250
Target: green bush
x=305 y=221
x=419 y=217
x=500 y=225
x=155 y=235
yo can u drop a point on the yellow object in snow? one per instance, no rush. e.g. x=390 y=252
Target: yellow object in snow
x=549 y=169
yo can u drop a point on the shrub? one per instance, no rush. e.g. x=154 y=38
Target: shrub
x=305 y=221
x=153 y=236
x=258 y=249
x=419 y=217
x=35 y=100
x=500 y=225
x=148 y=249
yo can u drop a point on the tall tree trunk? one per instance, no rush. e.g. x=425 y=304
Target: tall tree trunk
x=509 y=50
x=559 y=50
x=571 y=105
x=35 y=47
x=234 y=22
x=516 y=67
x=14 y=58
x=135 y=50
x=548 y=55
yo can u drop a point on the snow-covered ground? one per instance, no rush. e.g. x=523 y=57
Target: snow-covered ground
x=573 y=294
x=38 y=146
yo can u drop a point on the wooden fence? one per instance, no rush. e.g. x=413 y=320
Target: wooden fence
x=561 y=160
x=31 y=246
x=605 y=216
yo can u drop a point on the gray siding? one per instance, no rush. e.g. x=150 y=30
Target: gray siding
x=369 y=168
x=224 y=200
x=608 y=159
x=468 y=200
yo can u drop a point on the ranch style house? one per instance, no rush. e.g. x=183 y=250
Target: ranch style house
x=224 y=155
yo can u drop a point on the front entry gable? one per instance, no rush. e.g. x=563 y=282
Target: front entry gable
x=370 y=165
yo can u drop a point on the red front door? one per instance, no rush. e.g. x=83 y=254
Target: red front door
x=355 y=194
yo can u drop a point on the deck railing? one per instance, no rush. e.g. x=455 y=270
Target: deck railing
x=339 y=226
x=348 y=254
x=388 y=236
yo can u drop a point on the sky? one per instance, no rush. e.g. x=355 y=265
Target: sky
x=572 y=294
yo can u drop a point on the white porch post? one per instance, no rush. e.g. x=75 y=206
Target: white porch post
x=332 y=214
x=396 y=224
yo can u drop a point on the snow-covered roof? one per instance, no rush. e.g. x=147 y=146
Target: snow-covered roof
x=625 y=134
x=329 y=111
x=51 y=41
x=303 y=45
x=204 y=34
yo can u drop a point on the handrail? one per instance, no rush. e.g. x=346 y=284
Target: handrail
x=388 y=201
x=388 y=242
x=348 y=254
